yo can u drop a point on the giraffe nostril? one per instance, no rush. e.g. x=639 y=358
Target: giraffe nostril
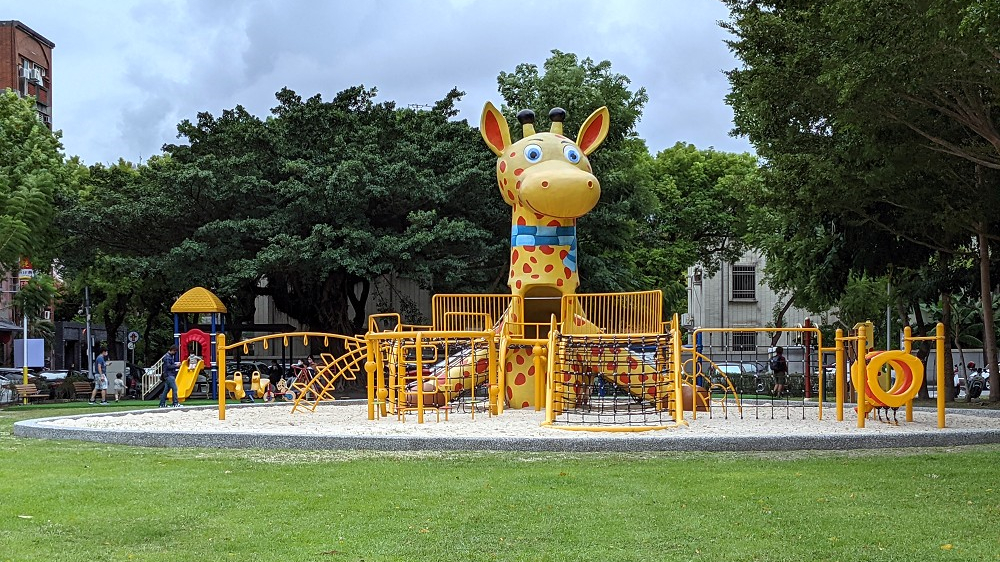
x=545 y=184
x=590 y=184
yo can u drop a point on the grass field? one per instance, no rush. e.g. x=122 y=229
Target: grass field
x=69 y=501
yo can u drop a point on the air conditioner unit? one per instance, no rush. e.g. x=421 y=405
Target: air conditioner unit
x=37 y=75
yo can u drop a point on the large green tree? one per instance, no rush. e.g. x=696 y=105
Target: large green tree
x=607 y=235
x=876 y=121
x=33 y=175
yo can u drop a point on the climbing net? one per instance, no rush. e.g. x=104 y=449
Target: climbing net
x=603 y=380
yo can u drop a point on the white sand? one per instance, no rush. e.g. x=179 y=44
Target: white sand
x=352 y=420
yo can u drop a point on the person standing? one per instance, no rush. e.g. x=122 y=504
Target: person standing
x=169 y=376
x=779 y=366
x=100 y=378
x=119 y=387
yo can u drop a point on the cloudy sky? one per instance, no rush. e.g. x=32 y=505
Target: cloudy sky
x=125 y=72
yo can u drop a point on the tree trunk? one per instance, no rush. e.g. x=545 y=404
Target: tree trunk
x=986 y=295
x=779 y=320
x=358 y=304
x=946 y=378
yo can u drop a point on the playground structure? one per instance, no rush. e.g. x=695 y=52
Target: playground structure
x=591 y=361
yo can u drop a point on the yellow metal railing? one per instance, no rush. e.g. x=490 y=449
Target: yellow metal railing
x=443 y=307
x=348 y=342
x=614 y=313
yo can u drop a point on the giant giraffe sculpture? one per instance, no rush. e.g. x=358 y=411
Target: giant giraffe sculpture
x=548 y=181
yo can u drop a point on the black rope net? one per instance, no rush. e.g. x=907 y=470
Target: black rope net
x=604 y=380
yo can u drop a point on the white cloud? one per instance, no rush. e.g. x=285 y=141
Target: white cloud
x=126 y=73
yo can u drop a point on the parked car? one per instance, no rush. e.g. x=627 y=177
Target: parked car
x=747 y=377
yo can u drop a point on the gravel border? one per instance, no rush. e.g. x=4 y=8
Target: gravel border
x=640 y=442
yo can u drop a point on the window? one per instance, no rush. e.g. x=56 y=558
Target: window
x=744 y=341
x=744 y=282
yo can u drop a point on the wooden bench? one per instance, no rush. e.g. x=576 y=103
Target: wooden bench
x=82 y=387
x=30 y=392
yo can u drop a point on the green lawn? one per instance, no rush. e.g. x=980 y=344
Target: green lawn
x=68 y=501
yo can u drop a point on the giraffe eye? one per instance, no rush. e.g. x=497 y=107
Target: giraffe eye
x=572 y=154
x=533 y=153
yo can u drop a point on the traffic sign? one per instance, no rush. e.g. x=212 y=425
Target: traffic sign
x=131 y=345
x=132 y=338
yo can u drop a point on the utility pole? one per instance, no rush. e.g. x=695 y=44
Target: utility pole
x=86 y=311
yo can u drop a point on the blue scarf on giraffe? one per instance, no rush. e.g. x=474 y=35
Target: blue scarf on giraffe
x=521 y=235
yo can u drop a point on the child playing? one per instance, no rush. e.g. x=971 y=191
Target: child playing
x=119 y=387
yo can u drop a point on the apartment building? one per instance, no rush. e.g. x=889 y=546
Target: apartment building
x=26 y=65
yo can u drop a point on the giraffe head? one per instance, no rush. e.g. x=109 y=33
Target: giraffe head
x=545 y=172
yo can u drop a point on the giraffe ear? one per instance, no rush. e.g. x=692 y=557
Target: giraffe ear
x=594 y=130
x=494 y=129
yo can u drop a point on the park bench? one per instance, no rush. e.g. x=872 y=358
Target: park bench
x=81 y=387
x=30 y=392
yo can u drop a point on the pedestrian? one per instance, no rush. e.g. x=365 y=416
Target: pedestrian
x=168 y=375
x=119 y=387
x=779 y=366
x=100 y=378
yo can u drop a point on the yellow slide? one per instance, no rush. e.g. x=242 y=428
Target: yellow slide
x=186 y=379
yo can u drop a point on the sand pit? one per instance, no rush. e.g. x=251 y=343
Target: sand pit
x=345 y=425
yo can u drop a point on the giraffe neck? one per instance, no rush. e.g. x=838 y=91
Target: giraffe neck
x=543 y=254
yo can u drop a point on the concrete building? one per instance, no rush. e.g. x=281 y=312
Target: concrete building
x=737 y=297
x=26 y=65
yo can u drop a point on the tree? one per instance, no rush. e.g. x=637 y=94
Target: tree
x=32 y=174
x=876 y=120
x=607 y=235
x=698 y=216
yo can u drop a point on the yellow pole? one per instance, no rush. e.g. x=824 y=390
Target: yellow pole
x=221 y=364
x=370 y=373
x=907 y=348
x=420 y=378
x=536 y=352
x=862 y=365
x=841 y=362
x=675 y=350
x=940 y=374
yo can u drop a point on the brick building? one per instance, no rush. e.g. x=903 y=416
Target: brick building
x=26 y=65
x=26 y=68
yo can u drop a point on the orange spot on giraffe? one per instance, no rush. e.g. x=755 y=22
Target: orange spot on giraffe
x=502 y=166
x=563 y=254
x=559 y=282
x=554 y=222
x=518 y=171
x=549 y=268
x=521 y=221
x=529 y=248
x=525 y=404
x=520 y=379
x=533 y=259
x=526 y=268
x=519 y=359
x=516 y=283
x=536 y=276
x=569 y=272
x=510 y=194
x=547 y=250
x=514 y=256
